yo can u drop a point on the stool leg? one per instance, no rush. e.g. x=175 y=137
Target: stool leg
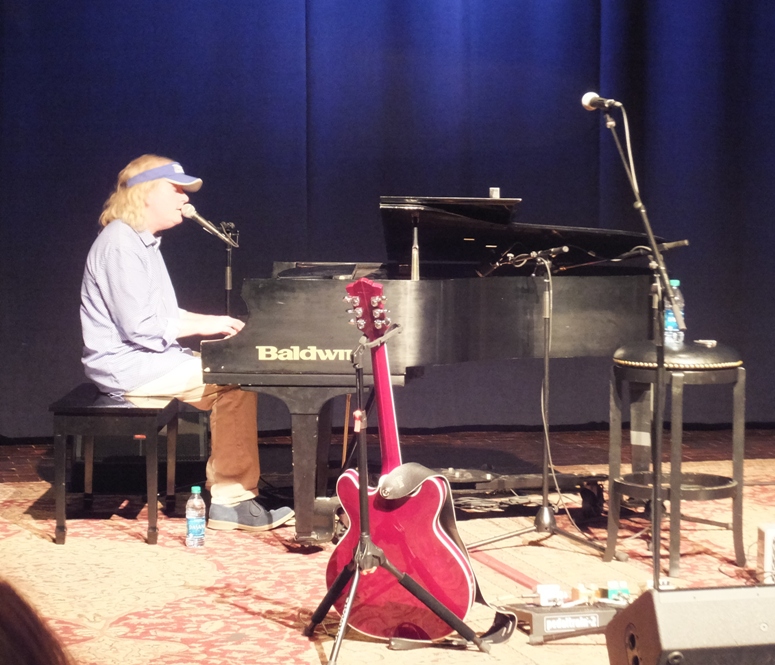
x=614 y=507
x=738 y=457
x=614 y=431
x=614 y=464
x=60 y=490
x=676 y=443
x=641 y=413
x=88 y=472
x=152 y=483
x=172 y=448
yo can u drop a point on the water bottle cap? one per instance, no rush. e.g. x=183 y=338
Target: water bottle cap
x=675 y=282
x=196 y=489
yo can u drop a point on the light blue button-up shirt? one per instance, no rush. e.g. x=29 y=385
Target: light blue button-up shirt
x=129 y=312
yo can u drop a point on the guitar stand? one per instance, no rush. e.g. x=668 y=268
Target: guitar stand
x=368 y=555
x=352 y=443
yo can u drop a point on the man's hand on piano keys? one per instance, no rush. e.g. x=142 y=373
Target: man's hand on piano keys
x=224 y=325
x=208 y=325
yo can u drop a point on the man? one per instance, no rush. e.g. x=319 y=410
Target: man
x=131 y=325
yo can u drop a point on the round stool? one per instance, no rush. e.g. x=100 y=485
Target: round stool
x=685 y=364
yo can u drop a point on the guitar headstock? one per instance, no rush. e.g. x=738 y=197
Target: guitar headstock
x=366 y=301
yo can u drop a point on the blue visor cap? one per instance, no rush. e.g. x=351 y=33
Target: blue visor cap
x=173 y=172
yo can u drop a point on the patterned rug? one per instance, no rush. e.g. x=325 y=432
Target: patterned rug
x=114 y=599
x=246 y=598
x=707 y=553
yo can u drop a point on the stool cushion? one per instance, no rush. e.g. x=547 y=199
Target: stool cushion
x=691 y=356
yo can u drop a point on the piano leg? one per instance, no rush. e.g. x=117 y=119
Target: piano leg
x=310 y=410
x=311 y=442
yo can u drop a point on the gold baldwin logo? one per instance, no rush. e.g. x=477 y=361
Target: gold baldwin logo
x=297 y=353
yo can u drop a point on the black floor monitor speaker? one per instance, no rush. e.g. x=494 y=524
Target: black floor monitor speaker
x=720 y=626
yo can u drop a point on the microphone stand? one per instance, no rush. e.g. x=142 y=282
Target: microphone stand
x=544 y=521
x=662 y=284
x=227 y=234
x=232 y=240
x=415 y=269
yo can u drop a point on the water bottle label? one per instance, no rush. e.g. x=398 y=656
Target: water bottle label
x=195 y=527
x=670 y=322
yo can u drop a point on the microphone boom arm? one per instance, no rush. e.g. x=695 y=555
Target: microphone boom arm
x=660 y=264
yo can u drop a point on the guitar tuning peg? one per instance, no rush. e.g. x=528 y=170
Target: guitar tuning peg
x=347 y=298
x=357 y=311
x=360 y=324
x=378 y=313
x=376 y=300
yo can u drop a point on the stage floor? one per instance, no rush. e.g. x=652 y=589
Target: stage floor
x=246 y=597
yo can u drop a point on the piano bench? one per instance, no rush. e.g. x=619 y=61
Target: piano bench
x=87 y=413
x=685 y=365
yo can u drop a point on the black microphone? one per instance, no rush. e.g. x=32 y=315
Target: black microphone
x=487 y=270
x=190 y=212
x=549 y=253
x=592 y=101
x=667 y=246
x=663 y=247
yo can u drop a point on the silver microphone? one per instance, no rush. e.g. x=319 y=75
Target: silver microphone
x=549 y=253
x=188 y=211
x=592 y=101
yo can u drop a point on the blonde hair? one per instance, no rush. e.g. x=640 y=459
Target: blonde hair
x=128 y=203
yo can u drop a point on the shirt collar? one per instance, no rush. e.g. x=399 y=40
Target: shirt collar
x=150 y=240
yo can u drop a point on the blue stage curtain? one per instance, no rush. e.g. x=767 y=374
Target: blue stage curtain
x=298 y=115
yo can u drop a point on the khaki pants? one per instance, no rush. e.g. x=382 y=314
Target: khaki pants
x=233 y=468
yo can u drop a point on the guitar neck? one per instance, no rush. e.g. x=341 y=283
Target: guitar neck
x=367 y=302
x=389 y=444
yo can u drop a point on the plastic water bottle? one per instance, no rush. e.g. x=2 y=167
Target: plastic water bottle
x=673 y=335
x=195 y=518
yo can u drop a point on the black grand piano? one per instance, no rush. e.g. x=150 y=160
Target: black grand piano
x=297 y=341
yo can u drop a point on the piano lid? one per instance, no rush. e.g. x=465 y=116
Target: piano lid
x=458 y=236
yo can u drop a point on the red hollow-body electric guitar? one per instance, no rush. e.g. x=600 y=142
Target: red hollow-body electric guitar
x=410 y=514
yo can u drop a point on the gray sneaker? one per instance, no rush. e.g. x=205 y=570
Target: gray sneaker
x=247 y=515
